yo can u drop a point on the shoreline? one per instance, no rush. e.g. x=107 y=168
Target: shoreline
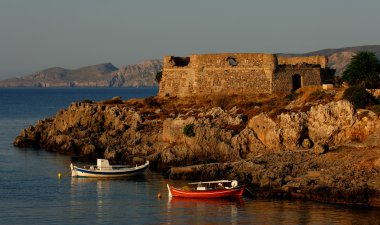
x=323 y=150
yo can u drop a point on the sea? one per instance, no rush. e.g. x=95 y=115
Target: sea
x=31 y=193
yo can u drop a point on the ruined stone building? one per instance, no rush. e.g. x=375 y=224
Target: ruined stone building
x=240 y=73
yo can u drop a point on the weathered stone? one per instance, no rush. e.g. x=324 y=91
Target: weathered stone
x=116 y=98
x=327 y=86
x=293 y=128
x=306 y=143
x=247 y=143
x=325 y=121
x=233 y=73
x=320 y=149
x=267 y=131
x=172 y=131
x=377 y=163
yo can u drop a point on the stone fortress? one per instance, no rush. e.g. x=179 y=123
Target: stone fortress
x=240 y=73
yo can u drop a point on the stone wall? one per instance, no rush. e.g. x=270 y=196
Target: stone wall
x=237 y=73
x=312 y=60
x=283 y=78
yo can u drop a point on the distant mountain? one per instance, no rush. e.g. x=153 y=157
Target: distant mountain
x=364 y=48
x=101 y=75
x=340 y=57
x=143 y=74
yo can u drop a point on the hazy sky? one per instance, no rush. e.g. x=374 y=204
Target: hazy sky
x=37 y=34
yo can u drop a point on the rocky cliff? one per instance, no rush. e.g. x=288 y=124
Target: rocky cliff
x=101 y=75
x=143 y=74
x=323 y=150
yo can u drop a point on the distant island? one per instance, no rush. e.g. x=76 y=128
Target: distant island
x=100 y=75
x=143 y=74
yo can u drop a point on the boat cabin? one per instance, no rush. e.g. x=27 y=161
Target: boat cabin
x=214 y=185
x=103 y=164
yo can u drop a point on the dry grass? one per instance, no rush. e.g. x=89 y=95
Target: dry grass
x=309 y=93
x=358 y=136
x=249 y=105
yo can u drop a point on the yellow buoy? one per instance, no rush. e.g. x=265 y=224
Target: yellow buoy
x=59 y=175
x=159 y=196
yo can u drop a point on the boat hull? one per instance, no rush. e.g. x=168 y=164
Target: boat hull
x=223 y=193
x=109 y=173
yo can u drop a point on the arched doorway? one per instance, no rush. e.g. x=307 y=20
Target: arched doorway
x=296 y=78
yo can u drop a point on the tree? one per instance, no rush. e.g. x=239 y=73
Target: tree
x=158 y=76
x=363 y=70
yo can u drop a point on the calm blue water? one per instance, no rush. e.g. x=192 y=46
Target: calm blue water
x=30 y=192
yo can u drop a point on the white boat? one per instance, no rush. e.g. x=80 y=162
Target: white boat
x=103 y=169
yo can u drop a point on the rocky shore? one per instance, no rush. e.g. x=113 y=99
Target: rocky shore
x=314 y=146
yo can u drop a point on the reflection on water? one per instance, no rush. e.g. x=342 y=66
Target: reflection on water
x=198 y=210
x=80 y=190
x=98 y=198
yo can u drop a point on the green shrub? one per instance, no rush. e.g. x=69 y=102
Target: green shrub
x=188 y=130
x=363 y=70
x=244 y=118
x=159 y=76
x=359 y=97
x=87 y=101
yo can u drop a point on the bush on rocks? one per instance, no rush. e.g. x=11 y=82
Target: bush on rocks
x=114 y=100
x=359 y=97
x=87 y=101
x=188 y=130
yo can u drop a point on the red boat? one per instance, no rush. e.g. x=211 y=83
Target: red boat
x=209 y=189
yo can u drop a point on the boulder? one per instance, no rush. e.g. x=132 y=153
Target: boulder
x=267 y=131
x=325 y=121
x=319 y=149
x=293 y=128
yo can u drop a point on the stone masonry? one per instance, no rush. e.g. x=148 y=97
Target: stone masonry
x=239 y=73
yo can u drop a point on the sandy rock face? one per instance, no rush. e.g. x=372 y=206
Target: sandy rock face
x=209 y=143
x=172 y=130
x=122 y=131
x=333 y=124
x=267 y=131
x=293 y=129
x=247 y=143
x=325 y=121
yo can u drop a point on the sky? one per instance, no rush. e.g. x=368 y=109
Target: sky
x=39 y=34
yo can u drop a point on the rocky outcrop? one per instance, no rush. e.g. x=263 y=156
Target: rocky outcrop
x=325 y=122
x=329 y=150
x=216 y=138
x=348 y=175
